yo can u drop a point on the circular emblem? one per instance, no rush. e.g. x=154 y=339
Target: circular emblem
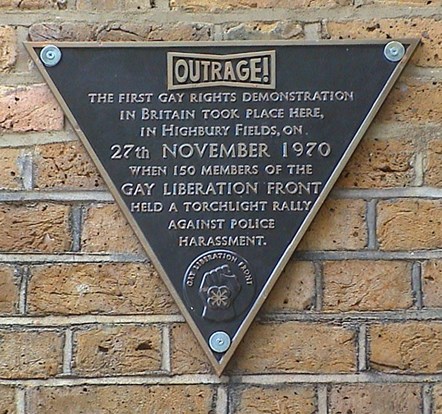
x=219 y=285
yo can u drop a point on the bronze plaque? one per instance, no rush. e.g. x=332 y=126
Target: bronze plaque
x=221 y=154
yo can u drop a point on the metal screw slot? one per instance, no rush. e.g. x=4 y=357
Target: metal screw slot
x=219 y=341
x=50 y=55
x=394 y=51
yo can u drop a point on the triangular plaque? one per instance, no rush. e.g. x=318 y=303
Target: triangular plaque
x=221 y=154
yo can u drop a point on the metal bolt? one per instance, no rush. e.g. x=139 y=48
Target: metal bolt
x=50 y=55
x=394 y=51
x=219 y=341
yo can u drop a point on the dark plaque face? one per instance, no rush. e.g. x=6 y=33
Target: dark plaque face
x=220 y=154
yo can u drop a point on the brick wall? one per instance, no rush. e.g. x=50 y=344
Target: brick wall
x=354 y=325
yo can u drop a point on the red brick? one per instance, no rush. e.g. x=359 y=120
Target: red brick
x=122 y=399
x=8 y=48
x=98 y=288
x=414 y=347
x=367 y=286
x=10 y=172
x=294 y=290
x=409 y=224
x=29 y=108
x=30 y=354
x=117 y=350
x=65 y=165
x=220 y=5
x=339 y=225
x=296 y=347
x=375 y=398
x=279 y=399
x=105 y=229
x=429 y=53
x=39 y=227
x=8 y=290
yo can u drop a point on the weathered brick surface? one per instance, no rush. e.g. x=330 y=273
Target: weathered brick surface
x=294 y=290
x=433 y=162
x=379 y=163
x=432 y=283
x=108 y=32
x=187 y=356
x=437 y=399
x=65 y=165
x=413 y=101
x=7 y=400
x=30 y=353
x=115 y=350
x=62 y=31
x=129 y=399
x=105 y=229
x=366 y=285
x=429 y=53
x=40 y=227
x=29 y=108
x=8 y=48
x=8 y=290
x=98 y=288
x=10 y=169
x=296 y=347
x=263 y=30
x=375 y=399
x=98 y=5
x=339 y=225
x=414 y=347
x=32 y=4
x=220 y=5
x=409 y=224
x=280 y=399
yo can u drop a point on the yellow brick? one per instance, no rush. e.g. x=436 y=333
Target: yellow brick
x=432 y=283
x=123 y=399
x=98 y=288
x=280 y=399
x=427 y=30
x=409 y=224
x=414 y=347
x=375 y=398
x=296 y=347
x=379 y=163
x=367 y=285
x=65 y=165
x=105 y=229
x=339 y=225
x=8 y=290
x=8 y=48
x=294 y=290
x=30 y=353
x=117 y=350
x=40 y=227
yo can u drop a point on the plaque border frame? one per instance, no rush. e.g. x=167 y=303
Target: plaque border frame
x=219 y=366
